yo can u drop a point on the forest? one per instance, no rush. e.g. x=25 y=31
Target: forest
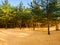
x=40 y=13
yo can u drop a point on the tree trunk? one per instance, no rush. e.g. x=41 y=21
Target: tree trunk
x=6 y=25
x=20 y=26
x=48 y=17
x=56 y=23
x=48 y=22
x=33 y=26
x=48 y=27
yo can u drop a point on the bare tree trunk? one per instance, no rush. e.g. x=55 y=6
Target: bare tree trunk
x=6 y=25
x=33 y=26
x=57 y=27
x=20 y=26
x=48 y=27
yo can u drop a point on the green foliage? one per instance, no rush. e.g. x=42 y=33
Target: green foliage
x=20 y=16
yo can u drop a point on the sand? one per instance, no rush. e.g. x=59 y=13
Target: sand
x=24 y=36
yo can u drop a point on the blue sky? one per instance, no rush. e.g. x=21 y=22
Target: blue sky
x=16 y=2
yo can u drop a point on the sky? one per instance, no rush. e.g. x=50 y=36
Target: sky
x=16 y=2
